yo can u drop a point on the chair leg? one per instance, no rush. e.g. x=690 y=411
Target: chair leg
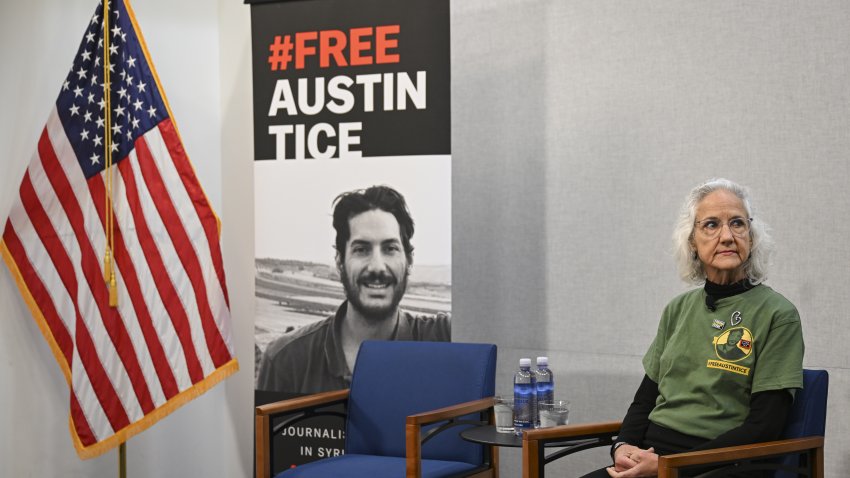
x=668 y=472
x=494 y=460
x=414 y=450
x=262 y=445
x=816 y=458
x=530 y=459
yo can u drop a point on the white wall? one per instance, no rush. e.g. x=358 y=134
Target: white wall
x=207 y=80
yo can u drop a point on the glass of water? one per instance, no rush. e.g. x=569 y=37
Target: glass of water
x=554 y=413
x=503 y=409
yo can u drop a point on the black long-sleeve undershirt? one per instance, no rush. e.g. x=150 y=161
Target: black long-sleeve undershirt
x=765 y=421
x=636 y=420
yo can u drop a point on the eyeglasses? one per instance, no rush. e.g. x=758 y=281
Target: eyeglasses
x=711 y=227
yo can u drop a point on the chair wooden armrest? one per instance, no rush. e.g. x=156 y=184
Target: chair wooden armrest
x=534 y=441
x=264 y=413
x=302 y=403
x=668 y=465
x=414 y=424
x=452 y=411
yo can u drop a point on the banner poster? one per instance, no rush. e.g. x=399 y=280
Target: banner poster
x=351 y=115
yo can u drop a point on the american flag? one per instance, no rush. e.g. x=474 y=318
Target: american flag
x=168 y=339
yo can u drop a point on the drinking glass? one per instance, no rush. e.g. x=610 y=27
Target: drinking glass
x=554 y=413
x=503 y=409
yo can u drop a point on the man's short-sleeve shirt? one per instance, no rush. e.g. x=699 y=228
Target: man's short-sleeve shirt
x=708 y=364
x=311 y=359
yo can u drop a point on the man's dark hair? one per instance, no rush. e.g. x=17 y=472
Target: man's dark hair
x=351 y=203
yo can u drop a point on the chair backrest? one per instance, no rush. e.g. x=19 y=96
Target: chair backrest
x=394 y=379
x=808 y=414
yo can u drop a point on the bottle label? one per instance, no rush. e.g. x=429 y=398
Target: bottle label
x=525 y=405
x=545 y=387
x=545 y=392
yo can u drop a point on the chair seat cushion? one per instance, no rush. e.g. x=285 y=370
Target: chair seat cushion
x=369 y=466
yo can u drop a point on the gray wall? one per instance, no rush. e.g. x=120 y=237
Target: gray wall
x=578 y=128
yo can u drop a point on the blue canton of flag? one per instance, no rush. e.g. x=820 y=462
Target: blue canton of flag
x=135 y=101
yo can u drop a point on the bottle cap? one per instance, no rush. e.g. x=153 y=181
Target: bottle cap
x=542 y=360
x=525 y=362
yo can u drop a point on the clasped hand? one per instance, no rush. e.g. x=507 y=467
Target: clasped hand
x=633 y=462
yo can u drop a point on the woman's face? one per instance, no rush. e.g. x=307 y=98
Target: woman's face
x=721 y=241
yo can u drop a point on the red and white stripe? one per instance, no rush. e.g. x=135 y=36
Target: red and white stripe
x=171 y=329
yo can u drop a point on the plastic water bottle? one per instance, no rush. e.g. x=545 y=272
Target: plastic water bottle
x=525 y=397
x=545 y=384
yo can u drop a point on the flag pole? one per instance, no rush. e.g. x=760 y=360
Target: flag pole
x=108 y=271
x=122 y=460
x=108 y=262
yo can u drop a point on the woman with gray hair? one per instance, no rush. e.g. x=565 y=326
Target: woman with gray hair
x=727 y=357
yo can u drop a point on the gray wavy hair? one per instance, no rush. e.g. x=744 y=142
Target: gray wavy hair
x=690 y=267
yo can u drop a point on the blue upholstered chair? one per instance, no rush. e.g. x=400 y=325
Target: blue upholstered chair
x=800 y=451
x=405 y=407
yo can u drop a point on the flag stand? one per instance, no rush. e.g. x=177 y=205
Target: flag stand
x=122 y=460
